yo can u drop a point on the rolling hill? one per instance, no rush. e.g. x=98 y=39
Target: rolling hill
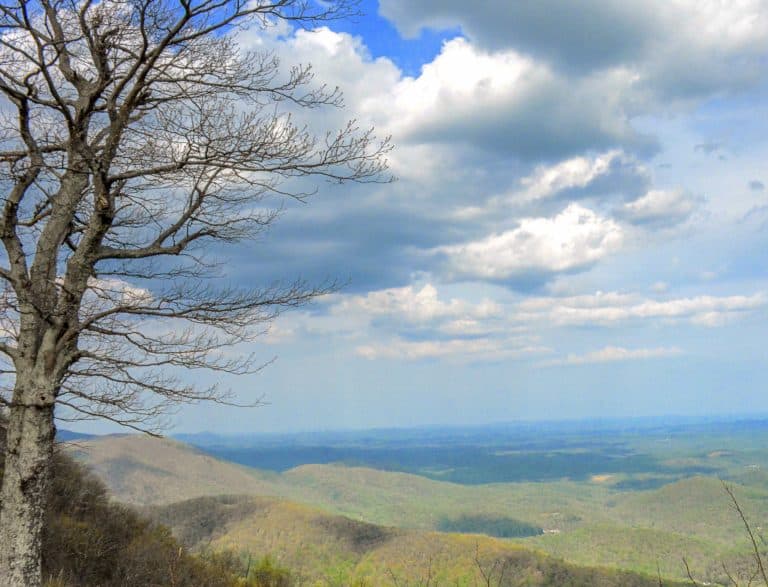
x=335 y=550
x=590 y=523
x=144 y=470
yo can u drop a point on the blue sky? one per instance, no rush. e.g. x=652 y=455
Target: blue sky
x=579 y=227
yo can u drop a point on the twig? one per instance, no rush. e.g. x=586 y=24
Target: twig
x=755 y=549
x=688 y=572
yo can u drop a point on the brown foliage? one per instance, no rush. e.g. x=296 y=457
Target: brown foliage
x=89 y=540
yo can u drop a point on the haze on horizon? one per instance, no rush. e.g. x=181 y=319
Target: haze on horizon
x=578 y=230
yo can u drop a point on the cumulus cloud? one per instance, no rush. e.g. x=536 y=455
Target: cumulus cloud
x=505 y=101
x=424 y=306
x=574 y=239
x=681 y=48
x=492 y=100
x=612 y=171
x=493 y=140
x=417 y=306
x=599 y=32
x=419 y=323
x=577 y=172
x=414 y=323
x=597 y=180
x=706 y=47
x=338 y=60
x=110 y=294
x=612 y=354
x=660 y=208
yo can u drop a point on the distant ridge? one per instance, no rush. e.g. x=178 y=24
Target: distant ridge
x=64 y=435
x=680 y=424
x=145 y=470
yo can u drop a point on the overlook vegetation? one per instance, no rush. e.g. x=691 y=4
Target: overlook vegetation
x=332 y=524
x=90 y=540
x=500 y=527
x=325 y=549
x=592 y=520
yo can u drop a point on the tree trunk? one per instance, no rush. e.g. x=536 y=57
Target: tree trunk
x=29 y=450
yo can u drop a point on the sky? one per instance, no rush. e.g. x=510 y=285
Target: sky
x=579 y=226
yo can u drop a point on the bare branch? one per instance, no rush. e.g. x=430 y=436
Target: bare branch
x=689 y=573
x=132 y=148
x=748 y=528
x=133 y=136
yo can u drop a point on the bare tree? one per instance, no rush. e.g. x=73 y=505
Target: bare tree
x=759 y=570
x=754 y=571
x=428 y=580
x=493 y=572
x=133 y=134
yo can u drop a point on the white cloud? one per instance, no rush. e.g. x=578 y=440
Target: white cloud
x=574 y=239
x=504 y=101
x=469 y=130
x=612 y=354
x=414 y=323
x=494 y=101
x=456 y=328
x=110 y=294
x=616 y=308
x=119 y=292
x=416 y=306
x=417 y=323
x=614 y=28
x=462 y=81
x=476 y=98
x=400 y=311
x=465 y=350
x=707 y=46
x=338 y=60
x=660 y=207
x=278 y=333
x=577 y=172
x=678 y=48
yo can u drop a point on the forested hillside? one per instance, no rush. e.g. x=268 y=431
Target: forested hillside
x=90 y=540
x=329 y=550
x=598 y=521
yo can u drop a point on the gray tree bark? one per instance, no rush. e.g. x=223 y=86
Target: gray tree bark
x=30 y=436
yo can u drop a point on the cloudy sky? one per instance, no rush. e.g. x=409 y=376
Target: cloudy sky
x=579 y=228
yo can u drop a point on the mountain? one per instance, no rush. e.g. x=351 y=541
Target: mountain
x=144 y=470
x=590 y=523
x=64 y=435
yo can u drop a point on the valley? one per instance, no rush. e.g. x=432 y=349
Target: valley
x=639 y=498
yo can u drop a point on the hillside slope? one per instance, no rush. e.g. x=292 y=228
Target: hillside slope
x=143 y=470
x=697 y=506
x=340 y=551
x=585 y=522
